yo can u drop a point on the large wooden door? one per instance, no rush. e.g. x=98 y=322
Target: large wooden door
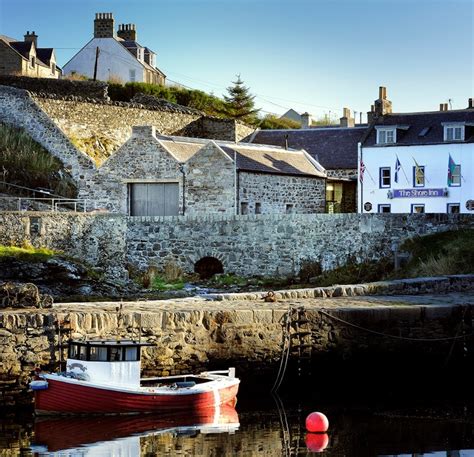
x=154 y=199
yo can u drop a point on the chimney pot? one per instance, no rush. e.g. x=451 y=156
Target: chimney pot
x=470 y=103
x=382 y=93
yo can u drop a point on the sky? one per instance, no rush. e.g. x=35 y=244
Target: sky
x=310 y=55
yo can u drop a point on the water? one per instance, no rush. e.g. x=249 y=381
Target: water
x=263 y=427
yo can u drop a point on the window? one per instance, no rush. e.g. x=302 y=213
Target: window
x=384 y=177
x=82 y=353
x=289 y=208
x=384 y=209
x=53 y=68
x=73 y=351
x=386 y=136
x=131 y=354
x=244 y=208
x=454 y=132
x=417 y=208
x=455 y=180
x=115 y=354
x=98 y=353
x=454 y=208
x=419 y=176
x=132 y=75
x=258 y=208
x=33 y=61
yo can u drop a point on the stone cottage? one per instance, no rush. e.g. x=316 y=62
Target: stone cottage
x=156 y=175
x=24 y=58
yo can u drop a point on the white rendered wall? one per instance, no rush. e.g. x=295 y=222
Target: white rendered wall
x=435 y=160
x=114 y=61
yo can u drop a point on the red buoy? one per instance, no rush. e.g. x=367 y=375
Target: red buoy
x=317 y=423
x=316 y=442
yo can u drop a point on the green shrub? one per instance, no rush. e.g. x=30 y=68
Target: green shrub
x=26 y=252
x=271 y=121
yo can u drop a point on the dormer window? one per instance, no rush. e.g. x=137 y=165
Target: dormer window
x=453 y=132
x=386 y=135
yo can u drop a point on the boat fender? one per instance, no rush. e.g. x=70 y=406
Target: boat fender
x=39 y=385
x=184 y=384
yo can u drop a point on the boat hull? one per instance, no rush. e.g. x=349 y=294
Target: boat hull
x=79 y=398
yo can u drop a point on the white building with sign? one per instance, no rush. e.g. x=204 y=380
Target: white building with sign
x=417 y=162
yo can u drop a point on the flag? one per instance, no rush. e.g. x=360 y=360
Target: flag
x=451 y=170
x=361 y=170
x=397 y=169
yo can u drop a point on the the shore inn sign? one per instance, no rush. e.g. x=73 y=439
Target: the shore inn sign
x=417 y=162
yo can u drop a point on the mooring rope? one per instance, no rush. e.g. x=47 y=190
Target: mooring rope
x=448 y=338
x=285 y=352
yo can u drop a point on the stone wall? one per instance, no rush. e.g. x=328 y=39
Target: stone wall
x=193 y=337
x=210 y=182
x=60 y=87
x=18 y=109
x=281 y=194
x=262 y=245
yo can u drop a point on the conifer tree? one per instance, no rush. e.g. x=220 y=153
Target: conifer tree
x=239 y=103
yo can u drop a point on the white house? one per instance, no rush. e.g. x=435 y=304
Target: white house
x=417 y=162
x=115 y=56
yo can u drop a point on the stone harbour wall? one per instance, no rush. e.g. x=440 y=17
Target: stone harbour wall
x=260 y=245
x=194 y=337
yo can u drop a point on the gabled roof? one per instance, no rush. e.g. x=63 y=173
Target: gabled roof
x=131 y=44
x=421 y=128
x=332 y=147
x=249 y=157
x=43 y=55
x=22 y=47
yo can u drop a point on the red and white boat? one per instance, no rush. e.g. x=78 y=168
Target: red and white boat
x=103 y=377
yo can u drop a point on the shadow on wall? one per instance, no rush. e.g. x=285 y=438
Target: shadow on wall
x=207 y=267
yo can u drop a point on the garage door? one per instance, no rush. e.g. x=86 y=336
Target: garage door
x=154 y=199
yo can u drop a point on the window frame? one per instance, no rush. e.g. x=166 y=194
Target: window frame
x=422 y=205
x=244 y=208
x=381 y=178
x=453 y=127
x=384 y=205
x=451 y=184
x=385 y=132
x=414 y=176
x=258 y=208
x=451 y=205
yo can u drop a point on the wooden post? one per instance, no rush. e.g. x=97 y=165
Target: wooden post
x=97 y=52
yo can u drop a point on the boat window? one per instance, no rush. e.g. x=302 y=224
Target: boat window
x=98 y=353
x=115 y=354
x=131 y=354
x=73 y=351
x=82 y=353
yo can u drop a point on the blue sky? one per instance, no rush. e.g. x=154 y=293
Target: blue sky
x=310 y=55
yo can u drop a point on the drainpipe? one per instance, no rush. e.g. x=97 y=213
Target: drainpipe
x=183 y=172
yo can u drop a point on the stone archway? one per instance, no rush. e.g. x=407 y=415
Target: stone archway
x=207 y=267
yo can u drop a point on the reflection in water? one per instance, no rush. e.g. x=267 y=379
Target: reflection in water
x=265 y=428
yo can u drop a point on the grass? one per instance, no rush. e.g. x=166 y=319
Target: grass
x=160 y=283
x=28 y=253
x=228 y=279
x=26 y=163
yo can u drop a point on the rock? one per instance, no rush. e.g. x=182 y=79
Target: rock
x=14 y=295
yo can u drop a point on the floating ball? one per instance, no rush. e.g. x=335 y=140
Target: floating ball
x=316 y=442
x=317 y=423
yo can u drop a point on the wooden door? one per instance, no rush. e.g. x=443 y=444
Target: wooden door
x=154 y=199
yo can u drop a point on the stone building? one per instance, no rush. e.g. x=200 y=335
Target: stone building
x=335 y=148
x=24 y=58
x=115 y=55
x=155 y=175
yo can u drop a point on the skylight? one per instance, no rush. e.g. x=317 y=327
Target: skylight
x=424 y=131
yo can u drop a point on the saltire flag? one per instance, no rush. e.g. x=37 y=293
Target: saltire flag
x=361 y=170
x=451 y=170
x=397 y=169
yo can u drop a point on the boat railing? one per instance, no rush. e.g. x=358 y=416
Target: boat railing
x=230 y=372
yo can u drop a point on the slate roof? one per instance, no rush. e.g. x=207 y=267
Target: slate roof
x=251 y=158
x=43 y=55
x=131 y=44
x=332 y=147
x=414 y=123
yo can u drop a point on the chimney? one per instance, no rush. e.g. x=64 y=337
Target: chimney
x=382 y=104
x=104 y=25
x=470 y=104
x=143 y=131
x=371 y=114
x=443 y=107
x=306 y=120
x=31 y=38
x=346 y=120
x=127 y=32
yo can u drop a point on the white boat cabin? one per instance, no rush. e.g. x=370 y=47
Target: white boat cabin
x=105 y=362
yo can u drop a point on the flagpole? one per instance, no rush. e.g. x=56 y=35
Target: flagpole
x=361 y=179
